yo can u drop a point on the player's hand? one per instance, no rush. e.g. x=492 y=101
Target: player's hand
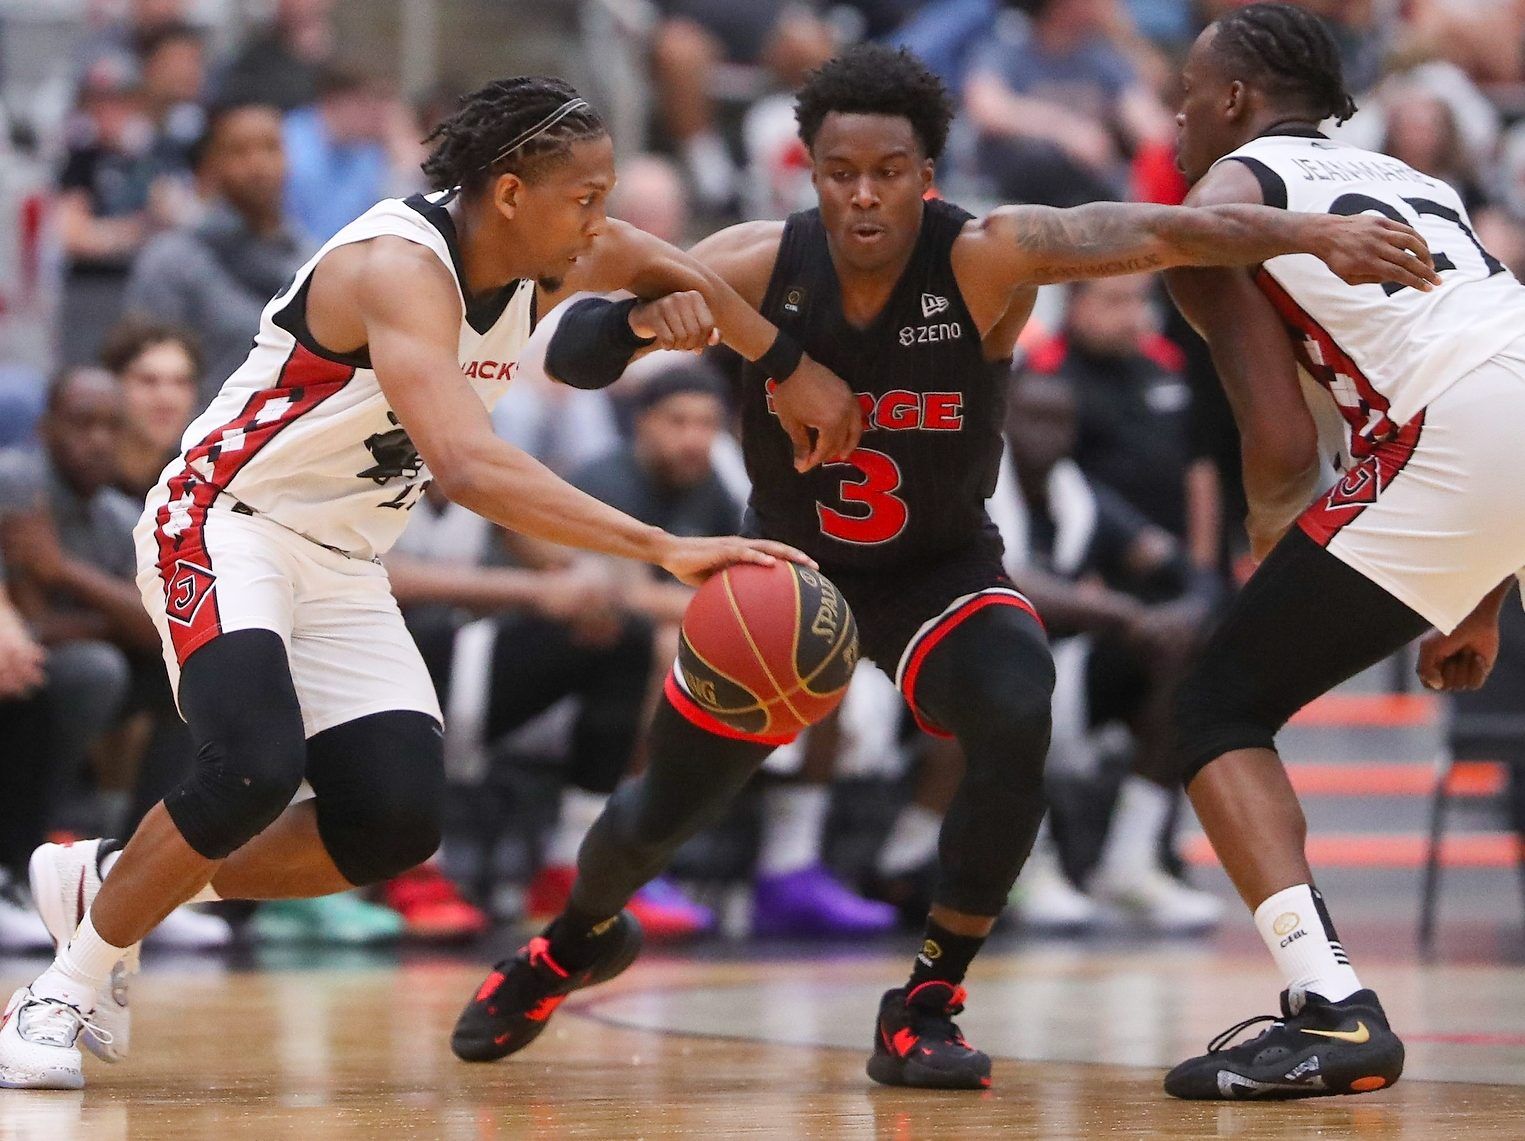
x=815 y=399
x=679 y=321
x=21 y=660
x=1363 y=249
x=1460 y=660
x=692 y=561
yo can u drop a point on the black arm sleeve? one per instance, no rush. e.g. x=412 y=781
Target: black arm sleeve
x=593 y=343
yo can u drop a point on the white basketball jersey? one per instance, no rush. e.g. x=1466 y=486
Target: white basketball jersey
x=305 y=437
x=1384 y=352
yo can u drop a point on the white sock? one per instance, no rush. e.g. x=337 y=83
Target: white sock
x=1302 y=940
x=912 y=841
x=709 y=163
x=793 y=815
x=579 y=809
x=1133 y=838
x=80 y=969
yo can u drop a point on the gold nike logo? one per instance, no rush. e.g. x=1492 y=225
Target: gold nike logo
x=1358 y=1035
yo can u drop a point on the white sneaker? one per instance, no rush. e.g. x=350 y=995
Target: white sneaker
x=20 y=927
x=1161 y=901
x=65 y=879
x=37 y=1043
x=192 y=930
x=1045 y=900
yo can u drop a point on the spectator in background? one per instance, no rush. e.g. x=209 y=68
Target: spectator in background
x=650 y=195
x=1422 y=131
x=172 y=59
x=1134 y=404
x=1059 y=108
x=110 y=202
x=1096 y=568
x=337 y=163
x=692 y=39
x=120 y=33
x=215 y=277
x=159 y=369
x=282 y=64
x=24 y=776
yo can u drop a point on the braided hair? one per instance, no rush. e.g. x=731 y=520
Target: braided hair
x=871 y=79
x=521 y=125
x=1289 y=53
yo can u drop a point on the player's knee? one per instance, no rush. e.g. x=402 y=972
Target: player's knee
x=383 y=840
x=236 y=790
x=1216 y=714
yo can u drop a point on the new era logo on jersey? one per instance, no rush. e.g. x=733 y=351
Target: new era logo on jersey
x=189 y=587
x=931 y=304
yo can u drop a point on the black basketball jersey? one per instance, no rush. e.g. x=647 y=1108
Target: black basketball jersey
x=916 y=487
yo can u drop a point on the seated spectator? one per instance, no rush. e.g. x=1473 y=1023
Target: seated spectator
x=337 y=163
x=692 y=39
x=24 y=783
x=1124 y=611
x=214 y=277
x=1059 y=108
x=68 y=545
x=1422 y=131
x=120 y=33
x=1134 y=403
x=111 y=200
x=158 y=368
x=172 y=59
x=650 y=195
x=281 y=64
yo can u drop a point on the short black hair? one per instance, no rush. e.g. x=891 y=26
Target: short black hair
x=176 y=31
x=217 y=115
x=1289 y=53
x=476 y=140
x=871 y=79
x=132 y=336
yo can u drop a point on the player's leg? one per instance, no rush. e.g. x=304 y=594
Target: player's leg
x=693 y=776
x=237 y=694
x=1304 y=623
x=986 y=676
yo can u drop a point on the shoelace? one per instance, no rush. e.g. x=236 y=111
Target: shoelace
x=59 y=1023
x=1222 y=1040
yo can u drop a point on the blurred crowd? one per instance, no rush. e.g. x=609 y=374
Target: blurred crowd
x=147 y=222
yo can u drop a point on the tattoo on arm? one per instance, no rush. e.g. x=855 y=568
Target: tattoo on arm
x=1099 y=240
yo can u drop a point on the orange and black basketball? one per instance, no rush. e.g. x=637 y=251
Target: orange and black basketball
x=768 y=650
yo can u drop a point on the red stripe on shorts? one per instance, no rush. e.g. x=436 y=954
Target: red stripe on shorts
x=185 y=565
x=945 y=626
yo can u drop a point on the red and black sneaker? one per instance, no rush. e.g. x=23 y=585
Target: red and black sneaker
x=916 y=1042
x=512 y=1006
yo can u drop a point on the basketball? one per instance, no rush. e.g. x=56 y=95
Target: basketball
x=768 y=650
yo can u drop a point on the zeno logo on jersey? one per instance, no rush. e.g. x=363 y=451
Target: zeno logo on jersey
x=931 y=334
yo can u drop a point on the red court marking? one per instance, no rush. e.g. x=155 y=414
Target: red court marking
x=1487 y=850
x=1397 y=710
x=1383 y=778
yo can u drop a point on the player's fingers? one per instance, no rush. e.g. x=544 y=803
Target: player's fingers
x=1477 y=670
x=853 y=435
x=1411 y=240
x=1405 y=270
x=822 y=451
x=785 y=551
x=743 y=552
x=799 y=436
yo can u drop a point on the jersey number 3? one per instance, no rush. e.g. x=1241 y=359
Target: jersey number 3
x=875 y=513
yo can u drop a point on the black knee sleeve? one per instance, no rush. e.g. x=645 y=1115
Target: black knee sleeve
x=380 y=786
x=236 y=695
x=1216 y=713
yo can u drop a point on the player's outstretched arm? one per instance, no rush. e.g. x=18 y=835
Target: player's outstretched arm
x=412 y=338
x=1034 y=245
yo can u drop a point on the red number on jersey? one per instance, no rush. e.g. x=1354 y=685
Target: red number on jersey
x=882 y=516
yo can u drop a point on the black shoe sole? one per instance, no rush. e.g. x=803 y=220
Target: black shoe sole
x=891 y=1071
x=473 y=1044
x=1344 y=1072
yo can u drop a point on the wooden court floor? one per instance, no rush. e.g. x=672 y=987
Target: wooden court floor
x=681 y=1048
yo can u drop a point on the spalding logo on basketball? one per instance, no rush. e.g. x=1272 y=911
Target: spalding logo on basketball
x=768 y=650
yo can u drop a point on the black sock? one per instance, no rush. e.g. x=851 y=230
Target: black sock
x=944 y=956
x=576 y=938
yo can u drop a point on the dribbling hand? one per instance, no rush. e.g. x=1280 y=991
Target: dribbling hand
x=692 y=561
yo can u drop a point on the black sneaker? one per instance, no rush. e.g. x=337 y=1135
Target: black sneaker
x=512 y=1006
x=1317 y=1048
x=916 y=1042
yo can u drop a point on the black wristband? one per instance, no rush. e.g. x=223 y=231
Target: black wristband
x=593 y=343
x=782 y=358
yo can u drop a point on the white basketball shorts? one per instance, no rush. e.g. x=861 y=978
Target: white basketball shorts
x=1436 y=515
x=216 y=571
